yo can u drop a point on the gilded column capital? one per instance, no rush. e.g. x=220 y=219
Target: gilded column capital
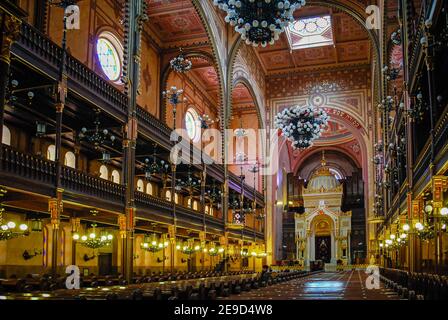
x=10 y=33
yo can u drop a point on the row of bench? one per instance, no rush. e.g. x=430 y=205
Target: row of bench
x=192 y=289
x=416 y=285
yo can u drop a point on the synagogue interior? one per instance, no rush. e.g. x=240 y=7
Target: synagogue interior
x=223 y=149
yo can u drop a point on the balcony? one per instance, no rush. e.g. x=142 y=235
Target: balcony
x=37 y=175
x=43 y=54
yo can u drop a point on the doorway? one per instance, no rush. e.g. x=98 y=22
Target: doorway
x=323 y=248
x=104 y=264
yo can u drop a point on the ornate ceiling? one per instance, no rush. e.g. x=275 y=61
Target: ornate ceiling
x=351 y=46
x=175 y=23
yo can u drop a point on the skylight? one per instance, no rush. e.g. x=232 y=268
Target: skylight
x=310 y=33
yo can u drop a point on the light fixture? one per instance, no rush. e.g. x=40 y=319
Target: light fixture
x=180 y=63
x=96 y=136
x=259 y=21
x=105 y=157
x=9 y=229
x=428 y=208
x=93 y=240
x=153 y=243
x=419 y=226
x=174 y=96
x=41 y=128
x=188 y=247
x=301 y=125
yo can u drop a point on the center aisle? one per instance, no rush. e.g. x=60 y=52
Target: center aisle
x=349 y=285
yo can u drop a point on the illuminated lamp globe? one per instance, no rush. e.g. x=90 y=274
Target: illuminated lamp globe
x=84 y=238
x=76 y=236
x=392 y=236
x=444 y=211
x=406 y=227
x=11 y=225
x=419 y=226
x=92 y=235
x=110 y=237
x=428 y=208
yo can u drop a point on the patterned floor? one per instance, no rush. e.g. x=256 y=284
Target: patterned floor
x=348 y=285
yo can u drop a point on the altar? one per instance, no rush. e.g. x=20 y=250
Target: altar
x=323 y=230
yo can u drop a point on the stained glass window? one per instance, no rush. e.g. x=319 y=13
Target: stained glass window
x=310 y=32
x=191 y=124
x=109 y=56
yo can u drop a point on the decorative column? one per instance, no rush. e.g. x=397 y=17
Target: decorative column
x=10 y=29
x=55 y=208
x=122 y=231
x=135 y=16
x=439 y=186
x=75 y=222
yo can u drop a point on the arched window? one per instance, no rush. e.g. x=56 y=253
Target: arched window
x=195 y=205
x=104 y=172
x=110 y=55
x=149 y=188
x=51 y=152
x=70 y=159
x=176 y=198
x=6 y=137
x=168 y=195
x=207 y=209
x=140 y=185
x=115 y=176
x=192 y=124
x=189 y=203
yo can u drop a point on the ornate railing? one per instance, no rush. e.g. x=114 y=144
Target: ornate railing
x=27 y=166
x=80 y=182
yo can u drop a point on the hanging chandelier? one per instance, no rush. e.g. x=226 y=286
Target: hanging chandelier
x=259 y=21
x=188 y=247
x=301 y=125
x=96 y=136
x=153 y=243
x=190 y=183
x=9 y=230
x=180 y=63
x=213 y=250
x=94 y=240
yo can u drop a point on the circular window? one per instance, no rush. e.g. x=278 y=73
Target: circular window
x=192 y=124
x=109 y=52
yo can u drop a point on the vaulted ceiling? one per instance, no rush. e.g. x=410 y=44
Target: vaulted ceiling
x=351 y=46
x=175 y=23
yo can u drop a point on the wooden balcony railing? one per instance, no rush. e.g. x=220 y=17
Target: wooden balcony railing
x=35 y=172
x=27 y=166
x=80 y=182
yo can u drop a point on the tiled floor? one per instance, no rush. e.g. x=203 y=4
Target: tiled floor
x=350 y=285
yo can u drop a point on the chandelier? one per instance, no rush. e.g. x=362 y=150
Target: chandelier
x=213 y=250
x=153 y=167
x=259 y=21
x=301 y=125
x=190 y=183
x=215 y=195
x=188 y=247
x=9 y=230
x=96 y=136
x=180 y=63
x=94 y=240
x=153 y=243
x=174 y=95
